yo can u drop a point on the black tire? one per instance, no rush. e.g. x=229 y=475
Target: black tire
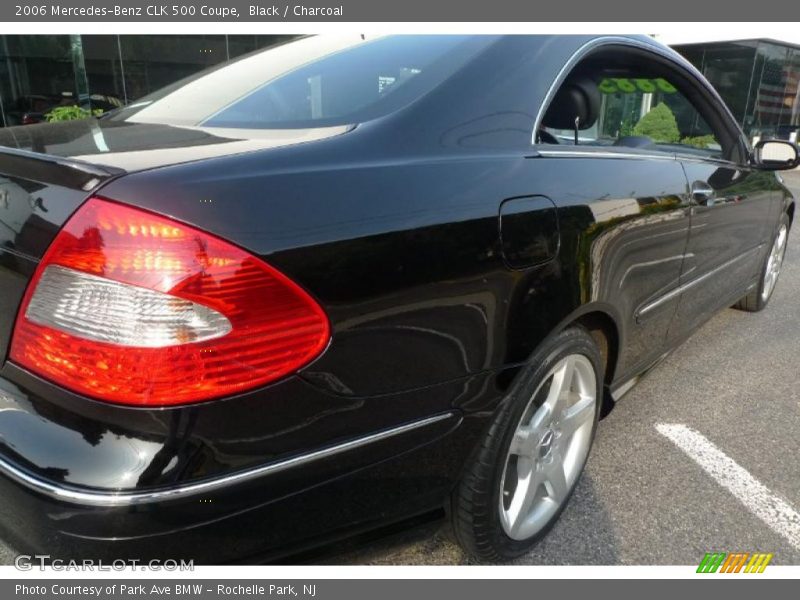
x=475 y=514
x=755 y=300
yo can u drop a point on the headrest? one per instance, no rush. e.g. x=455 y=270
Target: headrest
x=577 y=97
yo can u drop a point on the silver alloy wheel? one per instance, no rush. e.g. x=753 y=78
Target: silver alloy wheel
x=549 y=447
x=774 y=263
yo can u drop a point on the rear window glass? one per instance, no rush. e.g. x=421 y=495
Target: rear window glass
x=312 y=82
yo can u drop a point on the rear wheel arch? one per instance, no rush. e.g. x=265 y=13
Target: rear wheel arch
x=602 y=322
x=603 y=328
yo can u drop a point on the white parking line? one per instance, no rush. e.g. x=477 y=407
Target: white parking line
x=757 y=498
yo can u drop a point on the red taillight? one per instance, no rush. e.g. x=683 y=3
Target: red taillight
x=134 y=308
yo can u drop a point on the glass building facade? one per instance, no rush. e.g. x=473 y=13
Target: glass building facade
x=39 y=72
x=758 y=79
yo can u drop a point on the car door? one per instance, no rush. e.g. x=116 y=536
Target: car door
x=733 y=210
x=632 y=213
x=658 y=106
x=693 y=246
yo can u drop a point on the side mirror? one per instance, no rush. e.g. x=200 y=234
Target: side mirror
x=776 y=155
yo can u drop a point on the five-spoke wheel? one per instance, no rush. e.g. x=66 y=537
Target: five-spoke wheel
x=529 y=462
x=549 y=447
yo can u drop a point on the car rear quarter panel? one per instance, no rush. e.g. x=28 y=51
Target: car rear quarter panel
x=404 y=255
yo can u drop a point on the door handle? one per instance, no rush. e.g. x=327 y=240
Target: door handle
x=702 y=193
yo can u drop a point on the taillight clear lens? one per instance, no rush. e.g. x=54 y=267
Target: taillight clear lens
x=101 y=310
x=134 y=308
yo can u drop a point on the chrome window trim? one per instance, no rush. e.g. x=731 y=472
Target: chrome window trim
x=600 y=153
x=114 y=499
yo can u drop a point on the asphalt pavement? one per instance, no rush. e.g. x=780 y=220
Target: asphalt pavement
x=644 y=500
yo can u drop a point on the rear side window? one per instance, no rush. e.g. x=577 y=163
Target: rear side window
x=620 y=101
x=645 y=112
x=312 y=82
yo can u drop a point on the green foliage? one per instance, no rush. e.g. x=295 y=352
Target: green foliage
x=659 y=125
x=626 y=128
x=71 y=113
x=700 y=141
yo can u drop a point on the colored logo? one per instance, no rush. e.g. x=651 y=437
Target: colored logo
x=735 y=562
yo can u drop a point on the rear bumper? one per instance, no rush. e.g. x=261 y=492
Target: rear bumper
x=261 y=514
x=254 y=477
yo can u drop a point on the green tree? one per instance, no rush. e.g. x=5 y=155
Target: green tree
x=71 y=113
x=699 y=141
x=659 y=125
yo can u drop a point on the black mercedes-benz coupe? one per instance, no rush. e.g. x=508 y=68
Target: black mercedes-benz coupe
x=346 y=281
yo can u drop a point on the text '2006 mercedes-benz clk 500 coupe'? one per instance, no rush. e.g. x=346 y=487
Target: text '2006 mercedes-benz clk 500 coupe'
x=347 y=281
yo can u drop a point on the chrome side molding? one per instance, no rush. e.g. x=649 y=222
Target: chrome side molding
x=675 y=292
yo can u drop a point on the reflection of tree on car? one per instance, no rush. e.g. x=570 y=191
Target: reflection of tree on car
x=37 y=108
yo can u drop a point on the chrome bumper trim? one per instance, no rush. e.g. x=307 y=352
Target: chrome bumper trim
x=112 y=499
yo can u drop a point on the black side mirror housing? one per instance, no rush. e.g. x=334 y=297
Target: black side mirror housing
x=776 y=155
